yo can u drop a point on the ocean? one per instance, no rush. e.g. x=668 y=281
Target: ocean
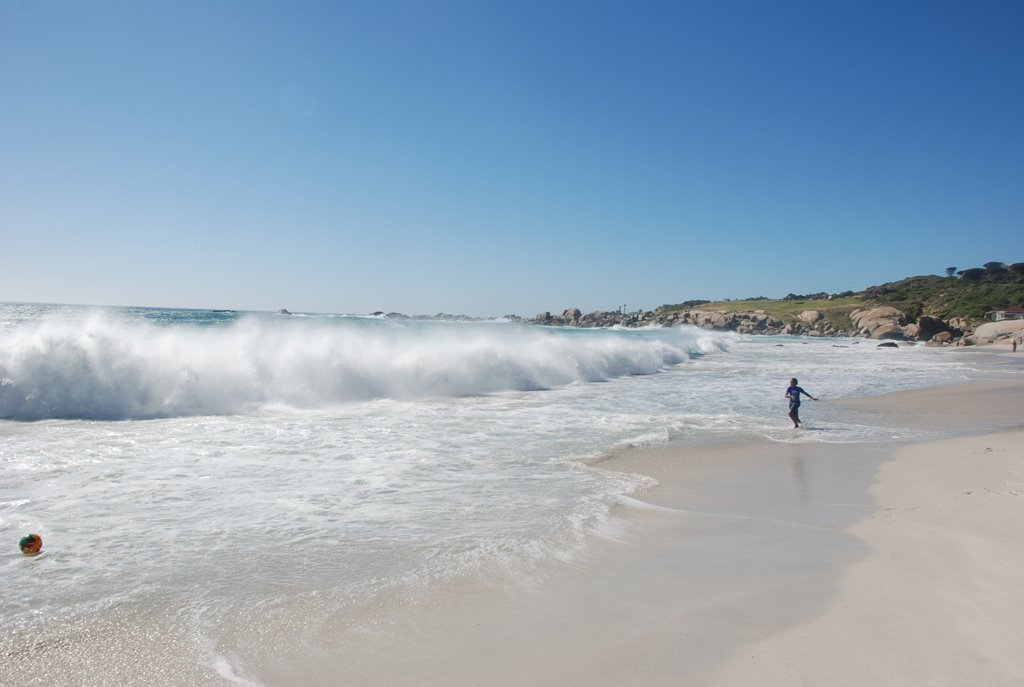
x=212 y=485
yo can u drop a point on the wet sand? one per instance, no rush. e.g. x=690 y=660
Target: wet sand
x=751 y=564
x=770 y=564
x=938 y=601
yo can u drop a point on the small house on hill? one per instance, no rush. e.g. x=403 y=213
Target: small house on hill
x=1014 y=312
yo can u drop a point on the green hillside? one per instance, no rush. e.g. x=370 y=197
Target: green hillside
x=836 y=309
x=968 y=293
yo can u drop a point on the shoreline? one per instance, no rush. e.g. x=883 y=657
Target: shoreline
x=740 y=550
x=885 y=622
x=934 y=598
x=689 y=572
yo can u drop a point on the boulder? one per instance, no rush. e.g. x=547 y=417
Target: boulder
x=811 y=316
x=888 y=332
x=871 y=322
x=992 y=331
x=959 y=324
x=888 y=344
x=721 y=320
x=928 y=327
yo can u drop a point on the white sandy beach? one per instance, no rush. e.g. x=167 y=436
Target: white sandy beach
x=938 y=601
x=758 y=564
x=784 y=564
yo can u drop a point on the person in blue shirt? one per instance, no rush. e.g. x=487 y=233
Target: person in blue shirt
x=793 y=394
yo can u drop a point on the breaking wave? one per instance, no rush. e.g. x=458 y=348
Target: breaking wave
x=104 y=368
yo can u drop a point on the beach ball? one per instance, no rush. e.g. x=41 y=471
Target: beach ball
x=30 y=544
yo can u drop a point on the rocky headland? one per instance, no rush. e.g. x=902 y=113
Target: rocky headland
x=955 y=310
x=883 y=323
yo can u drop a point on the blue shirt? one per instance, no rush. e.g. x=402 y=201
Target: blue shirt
x=794 y=395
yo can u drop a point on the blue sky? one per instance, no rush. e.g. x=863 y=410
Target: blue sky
x=492 y=157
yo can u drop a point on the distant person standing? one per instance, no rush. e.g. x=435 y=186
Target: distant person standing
x=793 y=394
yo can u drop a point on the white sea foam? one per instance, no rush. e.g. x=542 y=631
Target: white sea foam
x=326 y=462
x=100 y=367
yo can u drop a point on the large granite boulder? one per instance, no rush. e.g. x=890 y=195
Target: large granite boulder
x=810 y=316
x=993 y=331
x=598 y=318
x=877 y=321
x=892 y=332
x=721 y=320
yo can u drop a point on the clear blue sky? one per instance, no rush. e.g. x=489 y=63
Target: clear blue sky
x=489 y=157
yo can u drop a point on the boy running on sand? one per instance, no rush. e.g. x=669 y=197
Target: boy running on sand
x=793 y=394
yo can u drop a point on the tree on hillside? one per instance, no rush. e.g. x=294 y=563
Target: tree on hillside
x=1017 y=267
x=972 y=274
x=994 y=266
x=950 y=271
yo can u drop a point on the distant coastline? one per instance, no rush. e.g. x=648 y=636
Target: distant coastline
x=954 y=310
x=883 y=323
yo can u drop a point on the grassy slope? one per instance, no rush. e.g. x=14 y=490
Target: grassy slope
x=836 y=310
x=924 y=295
x=944 y=297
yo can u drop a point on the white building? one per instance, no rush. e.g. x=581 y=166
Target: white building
x=1014 y=312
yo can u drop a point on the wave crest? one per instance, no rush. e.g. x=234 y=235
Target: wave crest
x=104 y=368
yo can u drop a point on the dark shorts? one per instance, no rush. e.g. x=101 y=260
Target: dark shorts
x=794 y=406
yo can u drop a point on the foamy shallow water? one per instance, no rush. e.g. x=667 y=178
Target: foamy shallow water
x=198 y=473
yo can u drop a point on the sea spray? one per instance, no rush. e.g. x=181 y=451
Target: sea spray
x=103 y=368
x=226 y=485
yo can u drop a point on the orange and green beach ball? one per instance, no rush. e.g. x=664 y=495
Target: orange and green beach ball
x=31 y=544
